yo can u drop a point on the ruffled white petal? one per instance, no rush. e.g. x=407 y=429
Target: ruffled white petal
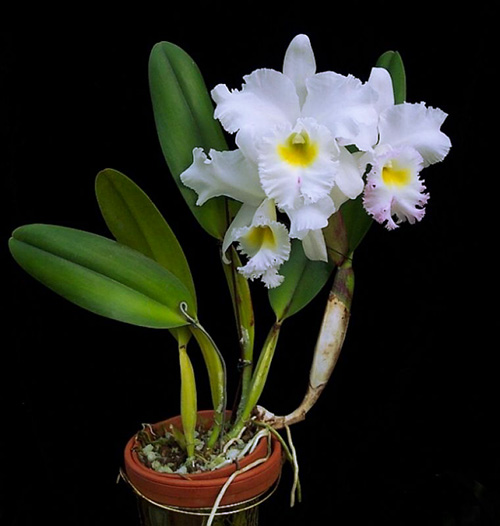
x=417 y=126
x=310 y=217
x=267 y=99
x=226 y=173
x=345 y=106
x=314 y=246
x=392 y=199
x=264 y=241
x=263 y=256
x=242 y=219
x=294 y=185
x=271 y=278
x=299 y=64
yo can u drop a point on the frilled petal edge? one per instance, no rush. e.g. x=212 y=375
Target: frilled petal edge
x=266 y=99
x=418 y=126
x=226 y=173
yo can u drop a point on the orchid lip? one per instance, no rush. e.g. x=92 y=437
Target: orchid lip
x=298 y=149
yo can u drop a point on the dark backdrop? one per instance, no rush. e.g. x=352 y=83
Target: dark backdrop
x=404 y=434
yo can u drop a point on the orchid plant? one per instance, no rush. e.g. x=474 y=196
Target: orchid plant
x=318 y=158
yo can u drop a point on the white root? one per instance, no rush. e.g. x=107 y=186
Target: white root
x=235 y=474
x=295 y=464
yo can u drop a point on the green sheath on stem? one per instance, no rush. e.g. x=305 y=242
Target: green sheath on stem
x=216 y=369
x=258 y=379
x=188 y=399
x=245 y=322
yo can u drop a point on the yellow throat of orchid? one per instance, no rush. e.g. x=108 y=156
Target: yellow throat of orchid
x=261 y=236
x=393 y=174
x=298 y=149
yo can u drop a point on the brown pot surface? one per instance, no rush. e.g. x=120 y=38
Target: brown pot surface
x=200 y=490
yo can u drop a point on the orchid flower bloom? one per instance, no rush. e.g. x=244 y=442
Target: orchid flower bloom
x=264 y=241
x=409 y=140
x=292 y=129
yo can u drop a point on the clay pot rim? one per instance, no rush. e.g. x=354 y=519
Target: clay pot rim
x=204 y=478
x=200 y=490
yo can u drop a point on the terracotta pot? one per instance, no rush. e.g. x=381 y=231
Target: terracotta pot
x=200 y=490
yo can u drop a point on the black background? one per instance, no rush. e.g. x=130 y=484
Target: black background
x=405 y=433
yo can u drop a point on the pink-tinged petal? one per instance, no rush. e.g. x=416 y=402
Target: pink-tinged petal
x=394 y=192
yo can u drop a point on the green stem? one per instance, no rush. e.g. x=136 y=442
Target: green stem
x=258 y=380
x=245 y=322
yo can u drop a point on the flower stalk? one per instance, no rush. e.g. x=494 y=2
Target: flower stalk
x=244 y=316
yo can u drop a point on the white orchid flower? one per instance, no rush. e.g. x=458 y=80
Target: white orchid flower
x=262 y=239
x=409 y=140
x=292 y=129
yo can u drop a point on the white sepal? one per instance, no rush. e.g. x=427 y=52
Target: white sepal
x=299 y=64
x=226 y=173
x=314 y=246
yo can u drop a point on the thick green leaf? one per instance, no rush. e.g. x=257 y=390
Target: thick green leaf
x=303 y=280
x=135 y=221
x=184 y=119
x=393 y=63
x=101 y=275
x=356 y=220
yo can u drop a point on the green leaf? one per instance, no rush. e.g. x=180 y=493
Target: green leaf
x=393 y=63
x=101 y=275
x=356 y=220
x=303 y=281
x=135 y=221
x=184 y=119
